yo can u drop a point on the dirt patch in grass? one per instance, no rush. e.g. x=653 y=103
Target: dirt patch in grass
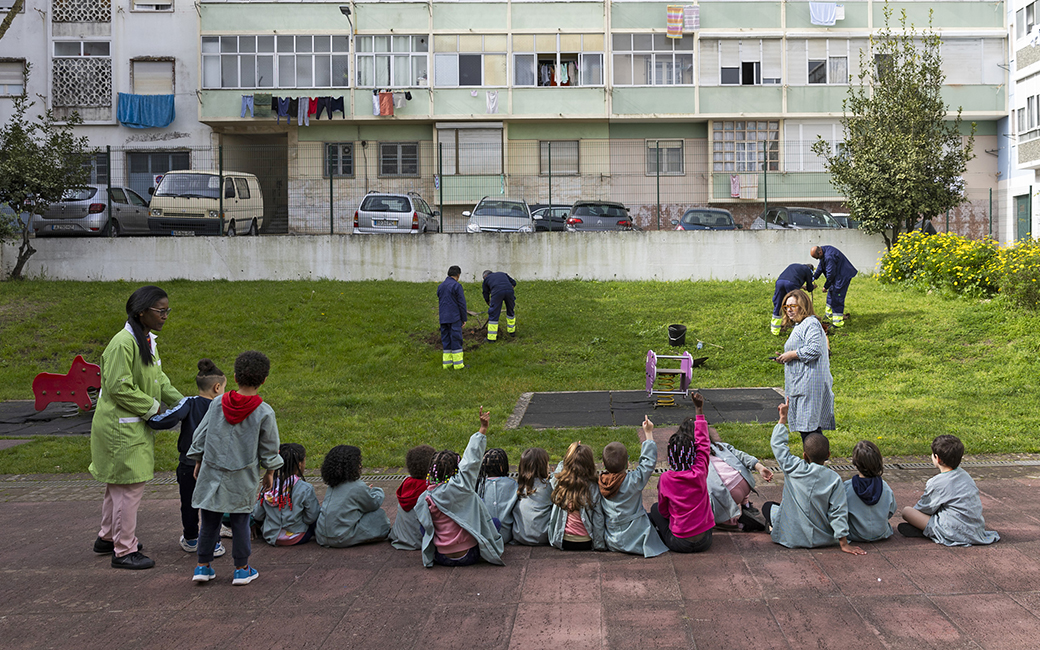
x=472 y=338
x=19 y=310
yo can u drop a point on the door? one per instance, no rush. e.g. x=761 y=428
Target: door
x=1023 y=216
x=137 y=220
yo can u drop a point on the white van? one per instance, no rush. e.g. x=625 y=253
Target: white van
x=190 y=201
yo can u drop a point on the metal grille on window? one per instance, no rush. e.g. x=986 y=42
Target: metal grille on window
x=82 y=82
x=82 y=11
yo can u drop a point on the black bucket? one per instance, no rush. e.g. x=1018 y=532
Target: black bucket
x=676 y=335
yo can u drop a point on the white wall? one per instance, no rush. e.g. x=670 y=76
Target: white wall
x=666 y=255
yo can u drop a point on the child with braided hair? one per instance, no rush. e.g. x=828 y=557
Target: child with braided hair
x=682 y=514
x=576 y=522
x=352 y=512
x=498 y=491
x=533 y=498
x=457 y=528
x=406 y=534
x=288 y=510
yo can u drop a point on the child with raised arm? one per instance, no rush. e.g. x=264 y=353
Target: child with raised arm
x=406 y=535
x=457 y=528
x=814 y=511
x=237 y=437
x=871 y=502
x=628 y=528
x=950 y=510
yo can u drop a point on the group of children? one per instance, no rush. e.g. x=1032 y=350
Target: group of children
x=460 y=509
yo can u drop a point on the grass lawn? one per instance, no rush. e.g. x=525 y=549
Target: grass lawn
x=352 y=363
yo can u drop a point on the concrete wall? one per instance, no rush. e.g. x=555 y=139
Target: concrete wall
x=665 y=255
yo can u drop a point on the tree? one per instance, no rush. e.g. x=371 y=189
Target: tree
x=39 y=160
x=902 y=159
x=9 y=18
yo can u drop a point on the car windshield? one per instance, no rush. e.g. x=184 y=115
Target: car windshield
x=707 y=218
x=812 y=218
x=599 y=210
x=79 y=194
x=500 y=209
x=385 y=204
x=205 y=186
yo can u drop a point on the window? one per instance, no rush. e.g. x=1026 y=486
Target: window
x=745 y=62
x=151 y=77
x=275 y=61
x=243 y=188
x=743 y=146
x=81 y=74
x=652 y=60
x=12 y=78
x=339 y=159
x=474 y=148
x=147 y=167
x=666 y=153
x=828 y=61
x=558 y=60
x=882 y=64
x=469 y=60
x=558 y=157
x=968 y=61
x=81 y=48
x=152 y=6
x=398 y=158
x=97 y=166
x=392 y=61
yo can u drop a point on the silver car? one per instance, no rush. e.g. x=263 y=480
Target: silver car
x=500 y=215
x=789 y=218
x=395 y=213
x=84 y=211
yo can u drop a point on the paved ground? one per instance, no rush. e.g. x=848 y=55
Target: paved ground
x=746 y=592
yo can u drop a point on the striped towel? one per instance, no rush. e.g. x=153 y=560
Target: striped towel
x=675 y=21
x=691 y=18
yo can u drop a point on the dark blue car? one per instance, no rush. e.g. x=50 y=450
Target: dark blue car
x=705 y=219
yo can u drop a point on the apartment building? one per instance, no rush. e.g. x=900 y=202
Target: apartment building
x=1024 y=182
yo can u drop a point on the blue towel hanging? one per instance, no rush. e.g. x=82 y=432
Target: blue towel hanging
x=145 y=111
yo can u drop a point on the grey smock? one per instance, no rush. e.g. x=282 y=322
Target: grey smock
x=500 y=496
x=592 y=517
x=531 y=515
x=952 y=499
x=295 y=519
x=807 y=381
x=628 y=528
x=406 y=534
x=723 y=507
x=870 y=523
x=351 y=515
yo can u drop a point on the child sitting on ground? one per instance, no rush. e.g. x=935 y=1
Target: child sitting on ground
x=730 y=482
x=189 y=413
x=576 y=519
x=533 y=498
x=950 y=510
x=238 y=435
x=406 y=534
x=498 y=491
x=628 y=528
x=351 y=512
x=682 y=514
x=869 y=498
x=288 y=510
x=814 y=511
x=457 y=528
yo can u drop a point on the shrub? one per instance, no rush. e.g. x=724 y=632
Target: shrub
x=1019 y=273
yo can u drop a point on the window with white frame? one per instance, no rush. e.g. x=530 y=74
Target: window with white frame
x=151 y=6
x=1025 y=21
x=558 y=157
x=652 y=60
x=82 y=74
x=469 y=60
x=967 y=61
x=386 y=61
x=398 y=158
x=798 y=141
x=469 y=148
x=12 y=78
x=339 y=159
x=830 y=61
x=1028 y=119
x=743 y=146
x=745 y=62
x=151 y=77
x=666 y=155
x=275 y=61
x=566 y=60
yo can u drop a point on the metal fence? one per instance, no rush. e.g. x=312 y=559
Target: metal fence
x=314 y=187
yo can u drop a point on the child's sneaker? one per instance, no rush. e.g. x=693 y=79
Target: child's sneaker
x=192 y=546
x=203 y=574
x=245 y=576
x=225 y=531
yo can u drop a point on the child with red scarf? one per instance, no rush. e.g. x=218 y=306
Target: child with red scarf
x=406 y=535
x=237 y=436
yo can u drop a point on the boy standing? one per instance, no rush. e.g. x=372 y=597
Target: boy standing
x=814 y=511
x=950 y=510
x=235 y=439
x=628 y=528
x=452 y=306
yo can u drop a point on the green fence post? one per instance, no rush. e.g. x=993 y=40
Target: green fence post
x=332 y=221
x=220 y=175
x=108 y=192
x=991 y=213
x=658 y=147
x=440 y=179
x=549 y=144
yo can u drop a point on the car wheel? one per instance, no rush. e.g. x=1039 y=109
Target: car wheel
x=113 y=228
x=231 y=229
x=253 y=231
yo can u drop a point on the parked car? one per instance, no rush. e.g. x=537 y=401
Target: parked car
x=845 y=220
x=789 y=218
x=550 y=217
x=500 y=215
x=380 y=212
x=84 y=211
x=190 y=201
x=588 y=216
x=706 y=219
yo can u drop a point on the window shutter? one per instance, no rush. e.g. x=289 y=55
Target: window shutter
x=446 y=154
x=797 y=65
x=960 y=59
x=993 y=58
x=709 y=57
x=480 y=151
x=857 y=46
x=12 y=73
x=153 y=77
x=729 y=53
x=771 y=59
x=446 y=70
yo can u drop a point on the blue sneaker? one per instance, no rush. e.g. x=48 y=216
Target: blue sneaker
x=203 y=574
x=245 y=576
x=219 y=550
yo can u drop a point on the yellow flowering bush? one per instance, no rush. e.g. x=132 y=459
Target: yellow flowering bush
x=1019 y=272
x=947 y=262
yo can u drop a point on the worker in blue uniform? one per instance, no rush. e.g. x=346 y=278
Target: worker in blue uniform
x=498 y=289
x=452 y=304
x=839 y=271
x=795 y=276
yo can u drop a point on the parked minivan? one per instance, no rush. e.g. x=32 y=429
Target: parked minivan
x=190 y=201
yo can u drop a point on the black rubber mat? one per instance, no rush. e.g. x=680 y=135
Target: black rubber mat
x=627 y=407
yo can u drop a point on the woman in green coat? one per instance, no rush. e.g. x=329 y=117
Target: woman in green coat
x=122 y=447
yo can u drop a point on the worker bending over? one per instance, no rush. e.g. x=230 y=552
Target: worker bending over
x=498 y=288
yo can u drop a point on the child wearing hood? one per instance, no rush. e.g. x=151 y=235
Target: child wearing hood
x=871 y=502
x=628 y=528
x=406 y=535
